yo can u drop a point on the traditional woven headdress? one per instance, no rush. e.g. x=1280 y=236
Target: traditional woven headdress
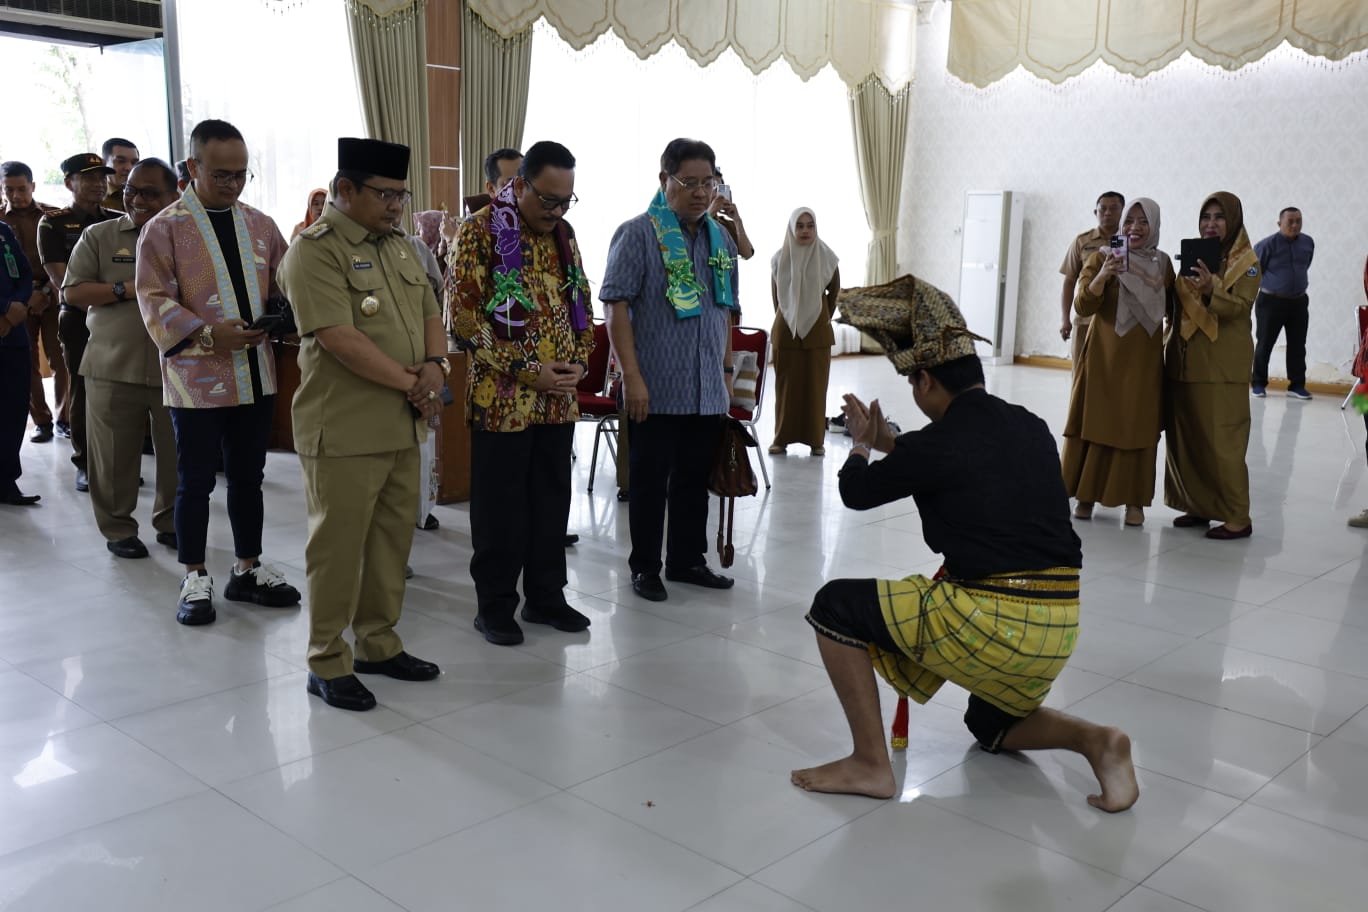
x=918 y=325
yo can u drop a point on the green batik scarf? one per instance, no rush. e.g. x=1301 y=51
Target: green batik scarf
x=683 y=288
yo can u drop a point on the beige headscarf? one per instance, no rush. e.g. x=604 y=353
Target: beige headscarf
x=801 y=273
x=1141 y=296
x=918 y=325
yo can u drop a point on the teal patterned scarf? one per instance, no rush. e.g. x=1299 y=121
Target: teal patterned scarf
x=683 y=288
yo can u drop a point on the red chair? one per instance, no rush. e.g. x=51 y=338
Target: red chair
x=748 y=338
x=594 y=403
x=1363 y=343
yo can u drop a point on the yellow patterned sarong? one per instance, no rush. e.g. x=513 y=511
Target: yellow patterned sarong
x=1004 y=638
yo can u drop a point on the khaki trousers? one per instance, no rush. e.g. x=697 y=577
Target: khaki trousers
x=361 y=512
x=116 y=421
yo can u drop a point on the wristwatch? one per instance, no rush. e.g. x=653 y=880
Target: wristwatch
x=120 y=291
x=443 y=363
x=206 y=336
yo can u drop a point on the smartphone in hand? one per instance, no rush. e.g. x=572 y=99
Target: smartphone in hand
x=1120 y=248
x=266 y=323
x=724 y=190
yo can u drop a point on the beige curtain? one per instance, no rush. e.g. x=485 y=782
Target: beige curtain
x=857 y=38
x=1056 y=39
x=389 y=46
x=879 y=120
x=495 y=73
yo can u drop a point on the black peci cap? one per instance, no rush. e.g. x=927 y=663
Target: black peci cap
x=373 y=156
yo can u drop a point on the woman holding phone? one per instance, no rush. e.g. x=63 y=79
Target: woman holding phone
x=1111 y=437
x=804 y=284
x=1206 y=364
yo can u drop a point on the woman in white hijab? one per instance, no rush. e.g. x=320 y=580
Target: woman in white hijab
x=805 y=284
x=1111 y=437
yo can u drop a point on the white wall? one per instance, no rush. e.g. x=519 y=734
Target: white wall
x=1287 y=130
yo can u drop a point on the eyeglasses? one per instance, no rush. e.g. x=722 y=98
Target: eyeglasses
x=389 y=197
x=552 y=203
x=693 y=183
x=228 y=178
x=151 y=194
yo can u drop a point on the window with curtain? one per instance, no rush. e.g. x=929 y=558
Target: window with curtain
x=283 y=76
x=780 y=142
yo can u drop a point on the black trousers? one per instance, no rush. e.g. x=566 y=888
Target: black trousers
x=670 y=460
x=519 y=507
x=72 y=333
x=238 y=435
x=1273 y=315
x=14 y=397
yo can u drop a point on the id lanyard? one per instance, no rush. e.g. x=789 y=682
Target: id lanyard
x=11 y=263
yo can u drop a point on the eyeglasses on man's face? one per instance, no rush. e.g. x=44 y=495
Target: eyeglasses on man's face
x=694 y=184
x=552 y=203
x=390 y=197
x=151 y=194
x=227 y=178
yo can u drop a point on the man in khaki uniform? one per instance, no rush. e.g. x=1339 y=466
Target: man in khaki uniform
x=372 y=361
x=122 y=370
x=1108 y=211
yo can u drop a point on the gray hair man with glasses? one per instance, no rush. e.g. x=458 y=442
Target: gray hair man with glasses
x=669 y=291
x=206 y=268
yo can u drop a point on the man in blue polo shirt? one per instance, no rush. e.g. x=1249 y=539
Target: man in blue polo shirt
x=669 y=289
x=1284 y=259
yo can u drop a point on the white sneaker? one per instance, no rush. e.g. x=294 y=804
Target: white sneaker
x=196 y=599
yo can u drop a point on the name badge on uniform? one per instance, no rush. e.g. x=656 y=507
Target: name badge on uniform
x=370 y=304
x=358 y=263
x=120 y=259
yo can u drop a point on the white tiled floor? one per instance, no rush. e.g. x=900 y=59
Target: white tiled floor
x=643 y=765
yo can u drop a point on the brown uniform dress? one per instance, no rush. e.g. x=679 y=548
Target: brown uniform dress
x=1083 y=246
x=1207 y=426
x=122 y=372
x=1111 y=437
x=802 y=368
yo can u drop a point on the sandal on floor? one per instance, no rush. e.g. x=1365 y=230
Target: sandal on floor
x=1225 y=533
x=1135 y=516
x=776 y=449
x=1083 y=511
x=819 y=451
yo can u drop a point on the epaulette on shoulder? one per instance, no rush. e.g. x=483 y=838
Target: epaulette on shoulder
x=316 y=230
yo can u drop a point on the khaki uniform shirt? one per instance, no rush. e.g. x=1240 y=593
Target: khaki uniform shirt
x=334 y=273
x=1083 y=246
x=25 y=225
x=120 y=348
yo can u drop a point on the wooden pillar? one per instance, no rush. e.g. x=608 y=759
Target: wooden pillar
x=443 y=22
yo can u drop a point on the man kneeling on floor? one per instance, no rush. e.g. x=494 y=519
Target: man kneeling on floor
x=1001 y=618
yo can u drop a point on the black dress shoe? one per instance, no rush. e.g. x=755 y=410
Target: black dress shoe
x=168 y=539
x=624 y=495
x=431 y=523
x=401 y=667
x=571 y=541
x=20 y=500
x=649 y=586
x=1188 y=521
x=499 y=632
x=41 y=434
x=700 y=576
x=561 y=617
x=131 y=547
x=63 y=429
x=82 y=481
x=345 y=692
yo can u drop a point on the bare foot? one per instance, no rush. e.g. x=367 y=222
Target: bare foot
x=1110 y=758
x=849 y=776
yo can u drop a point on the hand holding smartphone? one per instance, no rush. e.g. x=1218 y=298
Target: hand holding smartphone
x=1120 y=249
x=266 y=323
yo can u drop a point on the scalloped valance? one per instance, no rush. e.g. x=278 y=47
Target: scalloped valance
x=858 y=38
x=1057 y=39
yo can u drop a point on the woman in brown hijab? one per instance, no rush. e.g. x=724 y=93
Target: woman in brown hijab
x=1207 y=359
x=1111 y=437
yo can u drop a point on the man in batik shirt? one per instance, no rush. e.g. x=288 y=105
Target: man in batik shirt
x=205 y=268
x=521 y=304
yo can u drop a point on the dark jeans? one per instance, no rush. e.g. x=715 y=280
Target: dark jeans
x=519 y=505
x=1275 y=315
x=14 y=402
x=239 y=433
x=72 y=332
x=670 y=460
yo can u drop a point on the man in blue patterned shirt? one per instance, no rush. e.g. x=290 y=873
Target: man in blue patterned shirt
x=668 y=291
